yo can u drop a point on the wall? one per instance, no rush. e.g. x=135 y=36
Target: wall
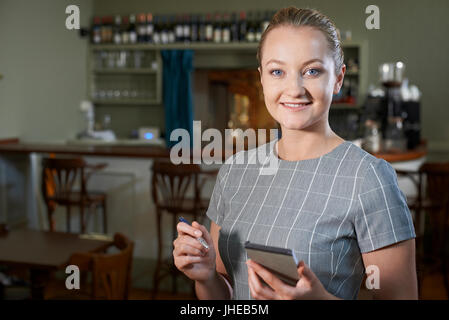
x=44 y=69
x=412 y=31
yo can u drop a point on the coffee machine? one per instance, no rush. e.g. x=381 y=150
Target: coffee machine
x=395 y=109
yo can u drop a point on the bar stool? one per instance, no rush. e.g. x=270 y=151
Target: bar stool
x=431 y=207
x=58 y=178
x=169 y=187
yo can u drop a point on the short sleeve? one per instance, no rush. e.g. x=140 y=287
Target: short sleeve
x=216 y=208
x=383 y=217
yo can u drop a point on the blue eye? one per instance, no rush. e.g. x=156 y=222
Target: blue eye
x=277 y=73
x=313 y=72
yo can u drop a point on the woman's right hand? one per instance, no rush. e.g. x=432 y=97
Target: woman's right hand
x=191 y=258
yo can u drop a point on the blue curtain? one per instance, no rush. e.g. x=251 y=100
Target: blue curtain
x=177 y=91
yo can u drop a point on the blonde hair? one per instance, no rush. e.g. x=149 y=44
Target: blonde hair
x=293 y=16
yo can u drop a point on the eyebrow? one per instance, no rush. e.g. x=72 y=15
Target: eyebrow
x=304 y=64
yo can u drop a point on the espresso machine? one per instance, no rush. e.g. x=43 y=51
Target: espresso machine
x=394 y=110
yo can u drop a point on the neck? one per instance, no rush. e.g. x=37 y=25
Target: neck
x=296 y=145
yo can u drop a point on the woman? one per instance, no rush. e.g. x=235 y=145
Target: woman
x=338 y=207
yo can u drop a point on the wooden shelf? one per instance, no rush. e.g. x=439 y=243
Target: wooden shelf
x=193 y=46
x=126 y=71
x=125 y=101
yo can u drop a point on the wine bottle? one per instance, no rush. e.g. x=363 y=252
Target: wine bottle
x=217 y=29
x=234 y=28
x=226 y=29
x=125 y=30
x=202 y=28
x=157 y=30
x=96 y=30
x=171 y=29
x=164 y=30
x=209 y=28
x=132 y=29
x=150 y=28
x=243 y=26
x=194 y=33
x=251 y=31
x=141 y=28
x=179 y=31
x=186 y=28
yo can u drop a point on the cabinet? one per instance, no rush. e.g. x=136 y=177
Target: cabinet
x=125 y=75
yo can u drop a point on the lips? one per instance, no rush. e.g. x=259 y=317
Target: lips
x=296 y=105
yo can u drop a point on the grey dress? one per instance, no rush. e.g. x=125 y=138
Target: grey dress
x=329 y=210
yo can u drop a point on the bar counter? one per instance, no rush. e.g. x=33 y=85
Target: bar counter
x=13 y=146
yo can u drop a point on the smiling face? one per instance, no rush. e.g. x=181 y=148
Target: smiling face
x=298 y=77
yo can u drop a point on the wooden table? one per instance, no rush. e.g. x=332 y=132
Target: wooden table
x=43 y=252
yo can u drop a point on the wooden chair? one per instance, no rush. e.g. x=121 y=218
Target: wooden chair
x=169 y=186
x=59 y=176
x=431 y=207
x=110 y=274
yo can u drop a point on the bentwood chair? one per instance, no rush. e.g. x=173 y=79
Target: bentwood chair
x=59 y=176
x=110 y=274
x=431 y=207
x=170 y=186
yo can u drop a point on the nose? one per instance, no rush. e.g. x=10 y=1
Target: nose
x=295 y=86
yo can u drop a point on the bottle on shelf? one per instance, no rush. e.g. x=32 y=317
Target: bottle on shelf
x=179 y=30
x=106 y=30
x=234 y=28
x=117 y=29
x=266 y=21
x=258 y=26
x=125 y=30
x=171 y=29
x=243 y=26
x=96 y=30
x=164 y=30
x=194 y=32
x=226 y=29
x=202 y=28
x=186 y=28
x=251 y=30
x=217 y=29
x=209 y=28
x=141 y=28
x=150 y=28
x=132 y=29
x=157 y=30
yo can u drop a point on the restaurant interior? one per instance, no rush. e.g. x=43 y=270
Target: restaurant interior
x=91 y=93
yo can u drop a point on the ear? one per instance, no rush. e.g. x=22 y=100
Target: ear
x=339 y=79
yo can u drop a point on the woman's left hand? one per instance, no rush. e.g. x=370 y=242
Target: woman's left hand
x=308 y=286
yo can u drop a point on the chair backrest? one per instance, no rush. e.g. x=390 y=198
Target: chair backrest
x=170 y=182
x=437 y=180
x=437 y=191
x=111 y=272
x=59 y=176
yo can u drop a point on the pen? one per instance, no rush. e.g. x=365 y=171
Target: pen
x=200 y=239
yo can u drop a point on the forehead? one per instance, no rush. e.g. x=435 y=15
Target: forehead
x=295 y=44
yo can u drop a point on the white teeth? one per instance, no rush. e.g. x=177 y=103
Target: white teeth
x=295 y=105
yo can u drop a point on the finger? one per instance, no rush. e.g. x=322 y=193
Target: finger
x=205 y=233
x=258 y=290
x=187 y=250
x=183 y=228
x=182 y=262
x=305 y=273
x=274 y=282
x=188 y=240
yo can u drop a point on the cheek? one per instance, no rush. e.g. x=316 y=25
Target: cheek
x=321 y=89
